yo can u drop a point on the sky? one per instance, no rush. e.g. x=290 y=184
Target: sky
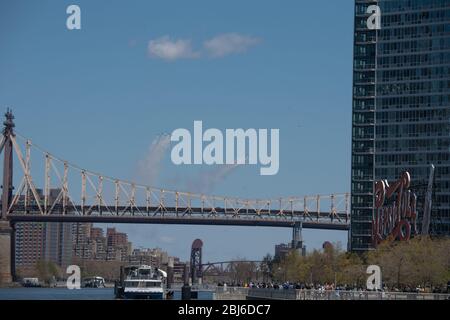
x=103 y=96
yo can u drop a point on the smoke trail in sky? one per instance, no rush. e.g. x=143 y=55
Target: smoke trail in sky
x=204 y=181
x=207 y=180
x=150 y=167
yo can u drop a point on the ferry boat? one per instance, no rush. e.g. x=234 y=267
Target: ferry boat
x=141 y=282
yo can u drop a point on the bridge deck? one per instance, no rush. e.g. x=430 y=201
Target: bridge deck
x=191 y=216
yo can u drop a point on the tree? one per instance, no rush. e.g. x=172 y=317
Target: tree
x=242 y=272
x=351 y=270
x=266 y=267
x=110 y=270
x=47 y=271
x=419 y=261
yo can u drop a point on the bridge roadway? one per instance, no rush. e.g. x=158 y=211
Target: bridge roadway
x=187 y=216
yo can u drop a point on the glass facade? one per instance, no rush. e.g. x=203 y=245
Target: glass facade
x=401 y=107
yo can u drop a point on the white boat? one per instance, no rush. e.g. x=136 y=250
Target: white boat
x=94 y=282
x=141 y=282
x=31 y=282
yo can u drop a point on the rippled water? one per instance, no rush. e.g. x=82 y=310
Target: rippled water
x=66 y=294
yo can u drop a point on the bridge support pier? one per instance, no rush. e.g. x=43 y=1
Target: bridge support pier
x=297 y=239
x=6 y=233
x=196 y=262
x=170 y=273
x=7 y=247
x=186 y=289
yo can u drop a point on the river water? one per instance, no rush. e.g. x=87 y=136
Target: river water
x=66 y=294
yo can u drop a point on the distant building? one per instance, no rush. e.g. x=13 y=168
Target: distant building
x=36 y=241
x=116 y=238
x=58 y=237
x=96 y=233
x=282 y=249
x=178 y=270
x=154 y=257
x=90 y=243
x=80 y=239
x=401 y=114
x=58 y=243
x=30 y=243
x=118 y=247
x=98 y=244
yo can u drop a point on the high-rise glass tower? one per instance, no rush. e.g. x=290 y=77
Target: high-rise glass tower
x=401 y=107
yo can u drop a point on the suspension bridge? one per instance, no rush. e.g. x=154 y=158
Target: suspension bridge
x=73 y=194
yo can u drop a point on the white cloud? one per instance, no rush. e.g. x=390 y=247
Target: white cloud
x=218 y=46
x=169 y=49
x=229 y=43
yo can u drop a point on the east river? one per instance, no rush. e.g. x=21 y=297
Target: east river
x=66 y=294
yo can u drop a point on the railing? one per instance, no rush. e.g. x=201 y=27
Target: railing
x=219 y=293
x=195 y=287
x=293 y=294
x=273 y=294
x=231 y=293
x=367 y=295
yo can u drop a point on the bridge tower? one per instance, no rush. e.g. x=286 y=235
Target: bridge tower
x=6 y=230
x=196 y=262
x=297 y=239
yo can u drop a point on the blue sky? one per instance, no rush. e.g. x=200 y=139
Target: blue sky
x=99 y=96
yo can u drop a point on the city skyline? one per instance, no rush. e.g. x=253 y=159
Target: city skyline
x=260 y=153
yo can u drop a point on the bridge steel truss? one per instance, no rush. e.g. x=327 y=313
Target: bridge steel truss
x=73 y=194
x=223 y=267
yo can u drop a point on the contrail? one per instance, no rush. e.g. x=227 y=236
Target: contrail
x=207 y=180
x=204 y=181
x=150 y=167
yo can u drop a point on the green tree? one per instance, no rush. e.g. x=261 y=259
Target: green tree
x=420 y=261
x=243 y=271
x=47 y=271
x=351 y=270
x=266 y=267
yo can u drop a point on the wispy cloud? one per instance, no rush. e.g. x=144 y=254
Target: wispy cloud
x=219 y=46
x=229 y=43
x=171 y=49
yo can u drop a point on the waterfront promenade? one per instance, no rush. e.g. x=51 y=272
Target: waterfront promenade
x=233 y=293
x=219 y=293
